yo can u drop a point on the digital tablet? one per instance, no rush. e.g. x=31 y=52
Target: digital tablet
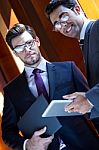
x=56 y=108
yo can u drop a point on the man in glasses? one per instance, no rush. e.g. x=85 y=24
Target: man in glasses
x=59 y=78
x=68 y=19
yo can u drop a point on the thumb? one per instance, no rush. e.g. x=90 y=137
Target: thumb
x=40 y=132
x=70 y=96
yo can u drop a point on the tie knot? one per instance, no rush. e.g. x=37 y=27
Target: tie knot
x=35 y=71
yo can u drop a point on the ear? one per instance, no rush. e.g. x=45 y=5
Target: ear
x=37 y=41
x=77 y=9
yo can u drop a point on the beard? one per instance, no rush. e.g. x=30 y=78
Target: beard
x=32 y=60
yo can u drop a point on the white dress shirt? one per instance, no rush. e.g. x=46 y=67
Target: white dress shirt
x=82 y=33
x=30 y=77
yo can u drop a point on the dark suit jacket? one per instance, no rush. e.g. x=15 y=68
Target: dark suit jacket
x=63 y=78
x=91 y=55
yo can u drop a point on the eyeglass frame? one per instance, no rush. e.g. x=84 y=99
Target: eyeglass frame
x=60 y=22
x=21 y=48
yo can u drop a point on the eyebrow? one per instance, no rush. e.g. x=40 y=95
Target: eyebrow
x=19 y=45
x=61 y=14
x=60 y=17
x=23 y=43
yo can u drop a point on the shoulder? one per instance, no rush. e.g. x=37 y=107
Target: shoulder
x=96 y=22
x=94 y=34
x=13 y=83
x=65 y=65
x=95 y=26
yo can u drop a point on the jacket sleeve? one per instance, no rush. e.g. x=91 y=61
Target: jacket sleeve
x=93 y=97
x=10 y=132
x=92 y=94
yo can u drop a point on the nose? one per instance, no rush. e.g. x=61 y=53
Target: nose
x=63 y=24
x=27 y=49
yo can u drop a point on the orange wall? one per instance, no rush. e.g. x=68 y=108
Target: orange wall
x=90 y=7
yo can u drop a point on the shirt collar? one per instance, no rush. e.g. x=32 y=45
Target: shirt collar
x=41 y=66
x=82 y=33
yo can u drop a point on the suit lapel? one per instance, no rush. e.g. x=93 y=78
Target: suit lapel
x=86 y=48
x=51 y=79
x=25 y=89
x=86 y=45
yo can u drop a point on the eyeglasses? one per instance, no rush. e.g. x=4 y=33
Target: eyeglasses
x=21 y=48
x=61 y=22
x=63 y=18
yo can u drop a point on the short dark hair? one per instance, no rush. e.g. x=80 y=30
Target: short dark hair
x=17 y=30
x=53 y=4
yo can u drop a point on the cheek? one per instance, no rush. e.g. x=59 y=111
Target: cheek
x=52 y=20
x=21 y=56
x=61 y=31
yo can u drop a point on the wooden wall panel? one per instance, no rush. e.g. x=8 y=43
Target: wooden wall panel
x=5 y=10
x=7 y=63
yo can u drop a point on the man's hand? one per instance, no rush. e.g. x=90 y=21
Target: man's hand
x=80 y=103
x=38 y=143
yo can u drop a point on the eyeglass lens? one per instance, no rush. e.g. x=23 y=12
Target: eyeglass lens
x=62 y=21
x=21 y=48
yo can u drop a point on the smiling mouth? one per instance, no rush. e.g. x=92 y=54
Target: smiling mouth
x=69 y=29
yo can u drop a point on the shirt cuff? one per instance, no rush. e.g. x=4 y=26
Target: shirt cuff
x=91 y=105
x=24 y=145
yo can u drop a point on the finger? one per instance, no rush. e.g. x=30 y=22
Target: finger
x=70 y=96
x=40 y=132
x=47 y=144
x=71 y=110
x=69 y=107
x=47 y=140
x=74 y=110
x=73 y=105
x=83 y=112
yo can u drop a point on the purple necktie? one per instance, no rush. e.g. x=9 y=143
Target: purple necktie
x=39 y=83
